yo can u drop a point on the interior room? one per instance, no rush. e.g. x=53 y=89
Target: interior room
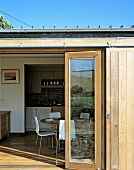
x=41 y=91
x=42 y=85
x=44 y=92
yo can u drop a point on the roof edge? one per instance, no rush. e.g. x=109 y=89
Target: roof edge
x=65 y=30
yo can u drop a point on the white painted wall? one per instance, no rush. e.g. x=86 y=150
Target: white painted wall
x=13 y=94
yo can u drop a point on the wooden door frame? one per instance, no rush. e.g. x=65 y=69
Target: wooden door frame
x=46 y=50
x=98 y=102
x=108 y=111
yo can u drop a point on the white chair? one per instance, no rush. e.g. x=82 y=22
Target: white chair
x=41 y=134
x=60 y=136
x=84 y=116
x=54 y=115
x=62 y=130
x=53 y=128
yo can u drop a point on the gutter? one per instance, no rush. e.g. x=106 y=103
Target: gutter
x=66 y=30
x=64 y=45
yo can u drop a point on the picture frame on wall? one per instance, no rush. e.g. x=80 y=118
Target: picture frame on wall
x=10 y=76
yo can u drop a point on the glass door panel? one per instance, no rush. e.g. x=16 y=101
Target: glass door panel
x=82 y=109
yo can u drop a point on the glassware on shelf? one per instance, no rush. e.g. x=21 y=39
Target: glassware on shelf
x=58 y=82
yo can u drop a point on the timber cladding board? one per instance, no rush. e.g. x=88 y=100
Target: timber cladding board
x=114 y=109
x=69 y=41
x=121 y=107
x=130 y=110
x=50 y=50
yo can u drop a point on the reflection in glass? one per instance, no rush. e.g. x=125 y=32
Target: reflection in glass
x=82 y=109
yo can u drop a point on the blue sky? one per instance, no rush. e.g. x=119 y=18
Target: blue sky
x=70 y=13
x=82 y=64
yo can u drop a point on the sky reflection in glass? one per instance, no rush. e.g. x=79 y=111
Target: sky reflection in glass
x=81 y=64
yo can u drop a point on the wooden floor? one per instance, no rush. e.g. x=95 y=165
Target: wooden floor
x=18 y=152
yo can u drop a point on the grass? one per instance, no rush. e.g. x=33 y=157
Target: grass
x=82 y=101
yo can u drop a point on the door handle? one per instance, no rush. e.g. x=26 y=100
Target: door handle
x=108 y=115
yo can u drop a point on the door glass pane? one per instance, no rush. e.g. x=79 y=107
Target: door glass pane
x=82 y=109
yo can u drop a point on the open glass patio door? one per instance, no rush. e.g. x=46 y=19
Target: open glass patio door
x=83 y=110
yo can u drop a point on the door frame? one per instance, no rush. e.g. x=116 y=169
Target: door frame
x=53 y=50
x=98 y=125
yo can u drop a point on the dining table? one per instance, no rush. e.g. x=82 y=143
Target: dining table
x=51 y=121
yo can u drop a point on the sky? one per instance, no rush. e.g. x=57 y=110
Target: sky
x=81 y=65
x=68 y=13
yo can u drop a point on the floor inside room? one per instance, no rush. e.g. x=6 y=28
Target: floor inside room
x=19 y=152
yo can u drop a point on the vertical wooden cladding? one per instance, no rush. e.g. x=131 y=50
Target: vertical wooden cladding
x=120 y=104
x=130 y=111
x=114 y=109
x=123 y=110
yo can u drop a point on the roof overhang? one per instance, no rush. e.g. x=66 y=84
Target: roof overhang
x=66 y=30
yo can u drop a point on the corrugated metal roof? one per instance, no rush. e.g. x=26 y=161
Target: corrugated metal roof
x=66 y=33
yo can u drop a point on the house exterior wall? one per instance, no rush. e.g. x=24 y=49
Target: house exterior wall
x=120 y=105
x=119 y=86
x=68 y=42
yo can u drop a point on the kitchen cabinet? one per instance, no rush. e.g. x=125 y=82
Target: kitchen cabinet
x=47 y=75
x=4 y=123
x=40 y=112
x=58 y=75
x=30 y=122
x=33 y=82
x=52 y=75
x=52 y=79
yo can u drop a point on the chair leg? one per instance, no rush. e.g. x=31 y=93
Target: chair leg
x=56 y=148
x=53 y=142
x=36 y=141
x=52 y=146
x=59 y=145
x=40 y=144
